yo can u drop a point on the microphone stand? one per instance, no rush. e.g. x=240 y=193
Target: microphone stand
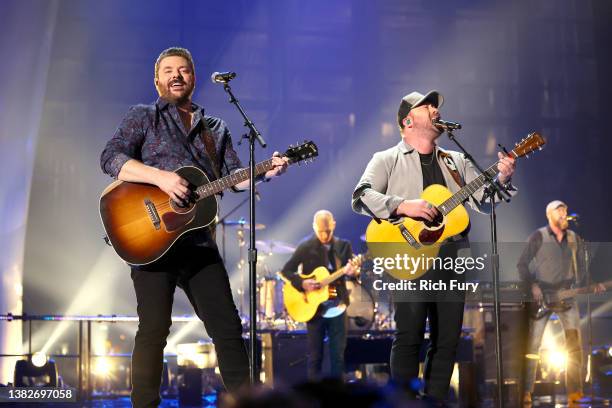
x=494 y=188
x=252 y=136
x=587 y=270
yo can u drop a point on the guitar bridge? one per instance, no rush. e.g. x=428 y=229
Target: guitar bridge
x=153 y=215
x=408 y=236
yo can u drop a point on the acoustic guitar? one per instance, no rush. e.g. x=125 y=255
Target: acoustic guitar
x=302 y=306
x=142 y=222
x=419 y=238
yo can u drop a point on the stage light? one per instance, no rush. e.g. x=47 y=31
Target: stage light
x=200 y=355
x=103 y=367
x=610 y=351
x=39 y=359
x=556 y=359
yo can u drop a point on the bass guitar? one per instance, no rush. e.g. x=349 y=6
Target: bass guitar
x=556 y=300
x=420 y=238
x=142 y=222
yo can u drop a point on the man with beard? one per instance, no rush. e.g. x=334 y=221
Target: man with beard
x=151 y=142
x=553 y=260
x=390 y=188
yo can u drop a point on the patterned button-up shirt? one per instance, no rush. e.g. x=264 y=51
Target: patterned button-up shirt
x=155 y=135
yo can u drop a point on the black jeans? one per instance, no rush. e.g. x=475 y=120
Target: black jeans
x=335 y=328
x=201 y=274
x=445 y=320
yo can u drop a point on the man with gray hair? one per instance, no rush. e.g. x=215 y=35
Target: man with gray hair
x=323 y=249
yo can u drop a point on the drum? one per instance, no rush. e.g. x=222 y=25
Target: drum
x=270 y=297
x=361 y=309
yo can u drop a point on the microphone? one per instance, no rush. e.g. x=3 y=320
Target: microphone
x=222 y=77
x=573 y=217
x=446 y=125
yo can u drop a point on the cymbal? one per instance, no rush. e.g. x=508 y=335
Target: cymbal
x=275 y=247
x=232 y=223
x=257 y=226
x=242 y=223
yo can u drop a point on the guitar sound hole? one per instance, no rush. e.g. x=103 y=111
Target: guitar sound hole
x=181 y=208
x=436 y=221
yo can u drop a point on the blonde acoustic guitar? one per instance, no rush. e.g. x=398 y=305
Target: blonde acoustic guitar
x=302 y=306
x=420 y=238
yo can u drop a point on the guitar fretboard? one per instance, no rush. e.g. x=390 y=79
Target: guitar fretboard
x=466 y=191
x=214 y=187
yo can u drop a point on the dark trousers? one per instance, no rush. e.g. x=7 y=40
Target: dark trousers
x=445 y=320
x=201 y=274
x=335 y=328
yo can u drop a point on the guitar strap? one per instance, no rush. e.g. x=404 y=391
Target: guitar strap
x=452 y=169
x=573 y=244
x=211 y=150
x=209 y=144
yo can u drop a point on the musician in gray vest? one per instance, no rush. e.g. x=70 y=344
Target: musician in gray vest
x=553 y=260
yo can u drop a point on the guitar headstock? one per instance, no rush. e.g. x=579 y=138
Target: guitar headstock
x=534 y=141
x=306 y=151
x=357 y=260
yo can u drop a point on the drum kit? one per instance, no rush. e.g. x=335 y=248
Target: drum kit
x=366 y=311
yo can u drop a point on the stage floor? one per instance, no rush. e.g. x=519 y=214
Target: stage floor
x=211 y=401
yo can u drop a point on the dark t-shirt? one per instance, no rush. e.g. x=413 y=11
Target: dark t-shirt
x=432 y=174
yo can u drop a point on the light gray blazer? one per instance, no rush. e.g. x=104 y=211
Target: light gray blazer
x=395 y=175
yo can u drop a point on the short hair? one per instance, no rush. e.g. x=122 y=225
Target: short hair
x=174 y=52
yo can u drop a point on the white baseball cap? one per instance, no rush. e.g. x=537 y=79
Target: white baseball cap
x=553 y=205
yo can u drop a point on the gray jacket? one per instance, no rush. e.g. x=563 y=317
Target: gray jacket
x=395 y=175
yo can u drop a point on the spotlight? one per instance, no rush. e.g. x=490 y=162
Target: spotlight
x=39 y=359
x=610 y=351
x=37 y=371
x=103 y=367
x=557 y=359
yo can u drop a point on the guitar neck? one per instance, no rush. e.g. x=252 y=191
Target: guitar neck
x=237 y=177
x=333 y=277
x=568 y=293
x=467 y=190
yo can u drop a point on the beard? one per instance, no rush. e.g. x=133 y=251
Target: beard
x=174 y=98
x=562 y=223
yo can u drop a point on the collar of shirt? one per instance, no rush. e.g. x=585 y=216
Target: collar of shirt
x=198 y=111
x=552 y=233
x=406 y=148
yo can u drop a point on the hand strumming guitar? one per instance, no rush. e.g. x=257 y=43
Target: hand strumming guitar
x=310 y=284
x=418 y=208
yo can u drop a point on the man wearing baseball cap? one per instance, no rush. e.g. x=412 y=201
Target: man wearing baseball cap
x=390 y=189
x=553 y=260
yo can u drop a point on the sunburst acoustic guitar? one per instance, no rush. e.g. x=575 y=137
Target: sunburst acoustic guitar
x=142 y=222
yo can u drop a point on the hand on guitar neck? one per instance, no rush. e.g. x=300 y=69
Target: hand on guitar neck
x=351 y=268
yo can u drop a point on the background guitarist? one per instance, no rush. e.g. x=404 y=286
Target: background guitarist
x=390 y=187
x=150 y=143
x=553 y=258
x=323 y=249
